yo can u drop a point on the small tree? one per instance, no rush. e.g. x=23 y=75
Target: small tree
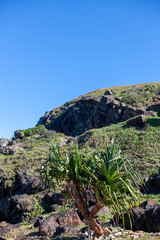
x=105 y=173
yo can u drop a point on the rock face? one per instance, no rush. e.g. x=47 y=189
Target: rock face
x=48 y=226
x=87 y=113
x=145 y=218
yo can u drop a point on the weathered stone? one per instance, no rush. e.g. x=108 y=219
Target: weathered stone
x=14 y=208
x=18 y=134
x=4 y=142
x=137 y=121
x=108 y=92
x=87 y=113
x=28 y=183
x=48 y=226
x=9 y=147
x=54 y=198
x=146 y=217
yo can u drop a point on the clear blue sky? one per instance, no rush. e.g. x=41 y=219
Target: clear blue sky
x=52 y=51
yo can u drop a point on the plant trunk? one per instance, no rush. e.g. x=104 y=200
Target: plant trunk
x=83 y=208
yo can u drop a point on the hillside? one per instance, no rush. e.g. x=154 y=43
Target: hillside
x=90 y=121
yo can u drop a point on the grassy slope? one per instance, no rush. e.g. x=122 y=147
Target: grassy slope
x=141 y=147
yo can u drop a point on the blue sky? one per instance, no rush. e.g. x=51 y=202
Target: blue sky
x=52 y=51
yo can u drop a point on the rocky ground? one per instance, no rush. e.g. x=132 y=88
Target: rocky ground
x=130 y=114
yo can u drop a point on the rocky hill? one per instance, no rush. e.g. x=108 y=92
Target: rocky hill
x=129 y=114
x=88 y=112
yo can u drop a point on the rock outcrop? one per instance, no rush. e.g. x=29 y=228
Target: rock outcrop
x=89 y=112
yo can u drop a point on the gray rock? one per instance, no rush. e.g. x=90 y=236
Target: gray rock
x=18 y=134
x=29 y=183
x=4 y=142
x=137 y=121
x=88 y=113
x=54 y=198
x=14 y=208
x=144 y=218
x=108 y=92
x=8 y=147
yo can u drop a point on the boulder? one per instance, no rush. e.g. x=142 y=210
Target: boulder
x=108 y=92
x=54 y=198
x=137 y=121
x=9 y=147
x=28 y=183
x=14 y=208
x=145 y=218
x=18 y=134
x=48 y=226
x=4 y=142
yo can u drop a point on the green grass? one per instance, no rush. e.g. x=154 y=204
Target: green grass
x=140 y=147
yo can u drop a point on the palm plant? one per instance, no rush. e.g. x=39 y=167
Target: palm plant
x=105 y=173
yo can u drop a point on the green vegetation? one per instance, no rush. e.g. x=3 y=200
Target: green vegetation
x=142 y=148
x=40 y=129
x=104 y=173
